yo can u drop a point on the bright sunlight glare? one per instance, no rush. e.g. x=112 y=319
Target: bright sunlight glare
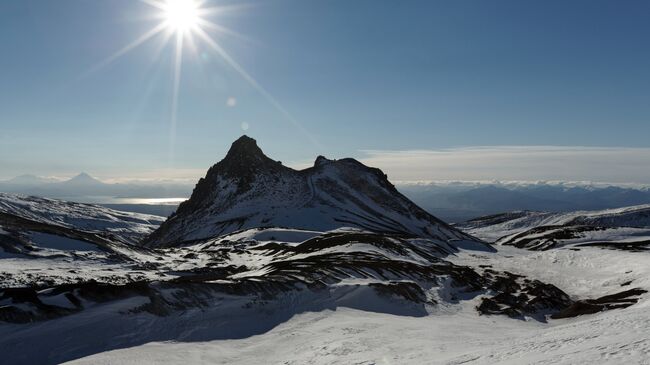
x=186 y=20
x=181 y=15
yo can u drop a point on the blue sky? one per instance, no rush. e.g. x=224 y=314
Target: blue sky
x=355 y=76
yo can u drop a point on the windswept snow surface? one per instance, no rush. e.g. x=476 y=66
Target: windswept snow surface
x=541 y=230
x=349 y=336
x=129 y=227
x=493 y=227
x=450 y=333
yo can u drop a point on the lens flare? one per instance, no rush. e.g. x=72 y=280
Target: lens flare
x=181 y=15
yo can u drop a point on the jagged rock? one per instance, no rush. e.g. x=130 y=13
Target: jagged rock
x=620 y=300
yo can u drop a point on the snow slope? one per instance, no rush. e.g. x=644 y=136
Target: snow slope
x=629 y=226
x=348 y=336
x=450 y=333
x=129 y=227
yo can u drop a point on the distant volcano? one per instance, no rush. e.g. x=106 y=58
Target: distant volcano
x=83 y=179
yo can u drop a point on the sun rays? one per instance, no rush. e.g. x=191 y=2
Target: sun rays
x=185 y=23
x=181 y=15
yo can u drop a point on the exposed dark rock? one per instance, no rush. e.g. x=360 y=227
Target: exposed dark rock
x=619 y=300
x=636 y=246
x=546 y=237
x=406 y=290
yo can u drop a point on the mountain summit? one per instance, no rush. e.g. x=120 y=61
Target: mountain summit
x=247 y=189
x=83 y=179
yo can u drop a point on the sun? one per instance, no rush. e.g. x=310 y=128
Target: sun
x=181 y=15
x=187 y=24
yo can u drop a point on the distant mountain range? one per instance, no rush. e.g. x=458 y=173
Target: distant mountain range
x=452 y=202
x=84 y=187
x=457 y=202
x=29 y=180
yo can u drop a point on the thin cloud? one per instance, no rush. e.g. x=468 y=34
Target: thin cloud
x=160 y=176
x=516 y=163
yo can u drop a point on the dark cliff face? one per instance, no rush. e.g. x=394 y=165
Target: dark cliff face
x=243 y=162
x=245 y=159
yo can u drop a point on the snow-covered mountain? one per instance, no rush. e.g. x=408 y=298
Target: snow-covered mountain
x=248 y=190
x=624 y=228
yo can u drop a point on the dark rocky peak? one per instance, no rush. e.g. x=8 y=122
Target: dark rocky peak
x=244 y=148
x=245 y=158
x=321 y=160
x=244 y=163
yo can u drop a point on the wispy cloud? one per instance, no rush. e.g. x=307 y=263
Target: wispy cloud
x=157 y=176
x=520 y=163
x=500 y=164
